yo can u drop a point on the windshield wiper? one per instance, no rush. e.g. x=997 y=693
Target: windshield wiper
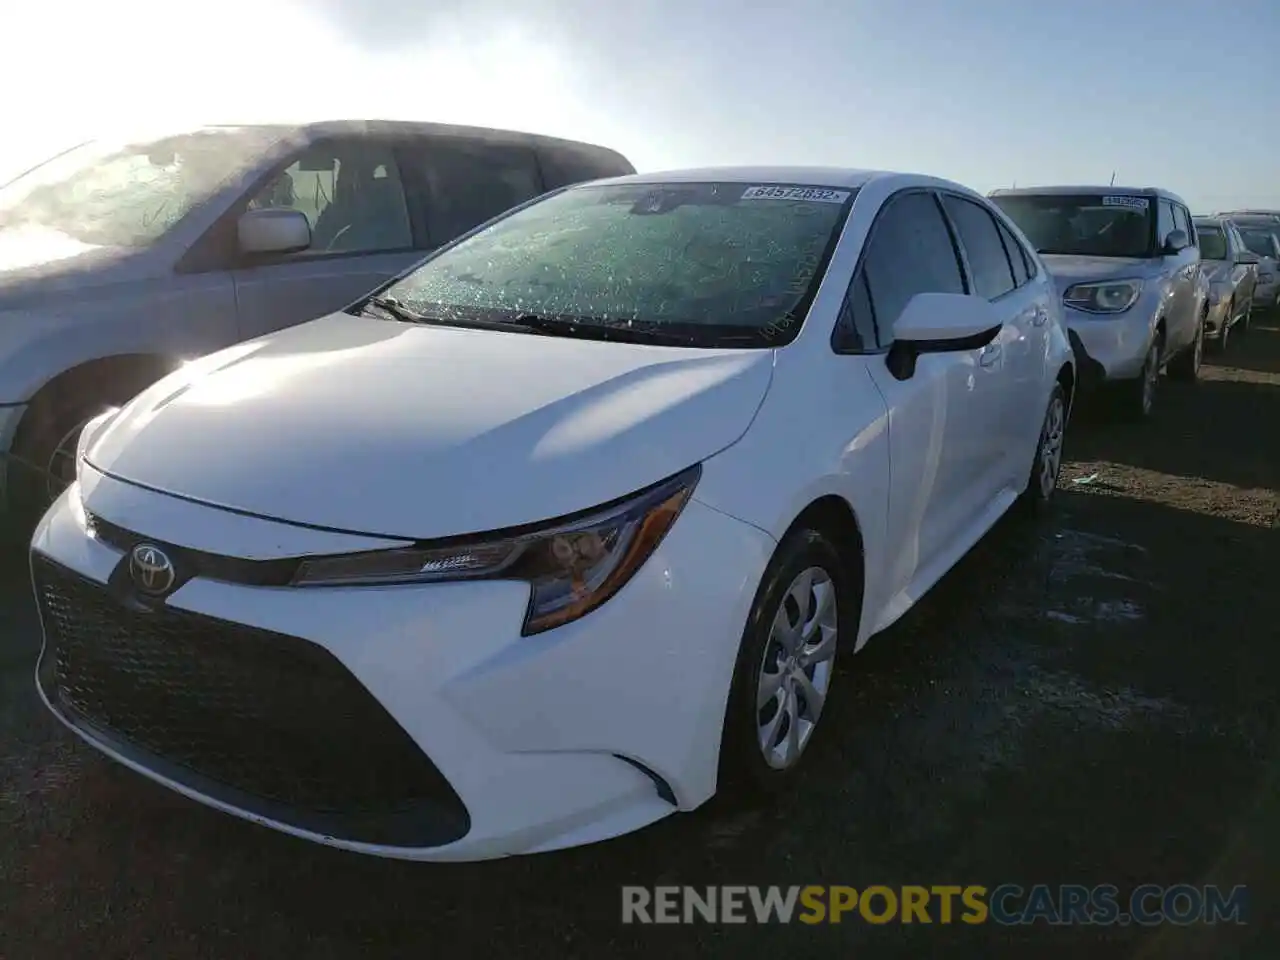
x=404 y=314
x=560 y=327
x=394 y=307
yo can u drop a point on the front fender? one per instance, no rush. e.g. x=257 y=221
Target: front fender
x=182 y=318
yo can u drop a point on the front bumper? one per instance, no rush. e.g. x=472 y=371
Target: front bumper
x=1110 y=347
x=479 y=743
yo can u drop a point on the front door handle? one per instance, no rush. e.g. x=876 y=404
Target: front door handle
x=989 y=355
x=1040 y=317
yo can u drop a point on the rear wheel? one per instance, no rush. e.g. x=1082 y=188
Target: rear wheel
x=1043 y=482
x=1186 y=366
x=1138 y=397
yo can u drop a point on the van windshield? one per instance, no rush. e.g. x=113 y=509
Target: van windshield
x=719 y=264
x=1092 y=225
x=128 y=194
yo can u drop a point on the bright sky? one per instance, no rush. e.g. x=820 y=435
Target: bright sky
x=987 y=92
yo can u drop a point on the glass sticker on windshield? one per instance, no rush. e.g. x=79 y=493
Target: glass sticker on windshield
x=820 y=194
x=1137 y=203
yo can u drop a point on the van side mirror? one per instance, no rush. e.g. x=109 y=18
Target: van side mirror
x=273 y=230
x=1176 y=242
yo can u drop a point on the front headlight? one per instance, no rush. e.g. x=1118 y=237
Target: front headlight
x=1113 y=296
x=89 y=432
x=572 y=565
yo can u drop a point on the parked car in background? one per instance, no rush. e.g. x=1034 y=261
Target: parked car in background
x=1232 y=273
x=1252 y=218
x=1265 y=242
x=1125 y=264
x=555 y=476
x=118 y=261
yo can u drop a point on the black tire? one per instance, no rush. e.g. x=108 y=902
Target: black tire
x=38 y=471
x=1135 y=403
x=1185 y=367
x=743 y=767
x=1042 y=482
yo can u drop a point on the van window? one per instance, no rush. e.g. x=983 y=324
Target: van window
x=470 y=181
x=350 y=191
x=565 y=164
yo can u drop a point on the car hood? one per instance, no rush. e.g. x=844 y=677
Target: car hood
x=417 y=431
x=1068 y=269
x=37 y=262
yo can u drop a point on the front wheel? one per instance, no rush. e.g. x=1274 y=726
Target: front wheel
x=1247 y=320
x=1043 y=482
x=784 y=672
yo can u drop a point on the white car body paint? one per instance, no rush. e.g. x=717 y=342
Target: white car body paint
x=346 y=435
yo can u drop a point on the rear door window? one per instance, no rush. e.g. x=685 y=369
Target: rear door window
x=992 y=274
x=466 y=182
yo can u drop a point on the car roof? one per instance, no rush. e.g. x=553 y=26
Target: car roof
x=846 y=178
x=371 y=127
x=1089 y=188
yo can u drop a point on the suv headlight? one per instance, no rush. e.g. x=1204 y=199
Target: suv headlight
x=572 y=565
x=1112 y=296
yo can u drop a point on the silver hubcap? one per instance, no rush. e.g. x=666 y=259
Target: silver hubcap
x=795 y=673
x=1150 y=374
x=61 y=468
x=1051 y=446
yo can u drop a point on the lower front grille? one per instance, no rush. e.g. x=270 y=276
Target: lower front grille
x=263 y=721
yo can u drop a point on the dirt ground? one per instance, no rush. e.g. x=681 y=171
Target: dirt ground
x=1090 y=699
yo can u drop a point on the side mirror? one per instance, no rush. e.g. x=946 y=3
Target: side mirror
x=273 y=231
x=1176 y=242
x=940 y=323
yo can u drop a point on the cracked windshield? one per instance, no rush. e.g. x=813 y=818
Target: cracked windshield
x=787 y=481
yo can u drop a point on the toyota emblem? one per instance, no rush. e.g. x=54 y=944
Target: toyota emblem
x=151 y=569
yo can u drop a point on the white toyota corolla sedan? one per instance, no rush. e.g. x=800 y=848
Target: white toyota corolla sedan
x=562 y=530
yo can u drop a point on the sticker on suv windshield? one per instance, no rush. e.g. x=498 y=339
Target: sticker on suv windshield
x=1137 y=203
x=820 y=194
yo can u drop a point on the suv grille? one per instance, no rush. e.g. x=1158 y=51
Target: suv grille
x=266 y=722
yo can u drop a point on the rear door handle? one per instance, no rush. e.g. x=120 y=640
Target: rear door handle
x=989 y=355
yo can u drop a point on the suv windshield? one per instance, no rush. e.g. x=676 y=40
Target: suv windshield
x=1093 y=225
x=717 y=264
x=128 y=195
x=1212 y=241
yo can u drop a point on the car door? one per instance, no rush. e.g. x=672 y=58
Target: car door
x=940 y=418
x=1188 y=267
x=1176 y=270
x=1018 y=394
x=351 y=191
